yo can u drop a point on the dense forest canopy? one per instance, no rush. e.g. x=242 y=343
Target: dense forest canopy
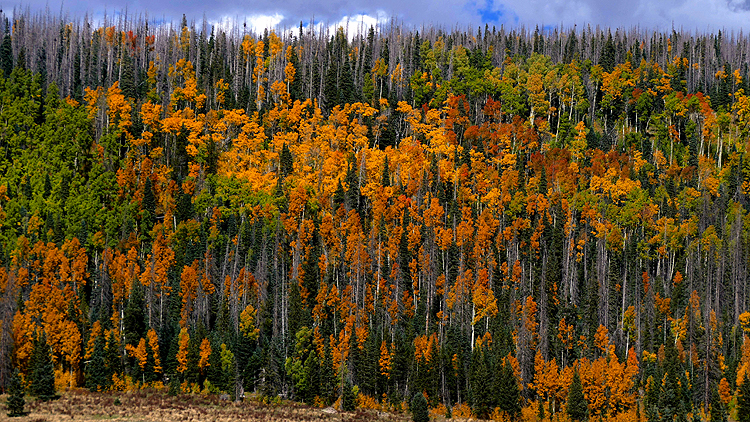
x=556 y=215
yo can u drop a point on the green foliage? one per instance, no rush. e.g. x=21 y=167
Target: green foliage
x=303 y=367
x=348 y=398
x=16 y=401
x=418 y=407
x=577 y=406
x=97 y=375
x=135 y=317
x=42 y=370
x=743 y=400
x=508 y=393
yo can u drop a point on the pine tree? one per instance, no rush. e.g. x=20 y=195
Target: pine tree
x=149 y=206
x=96 y=368
x=743 y=400
x=6 y=52
x=577 y=407
x=481 y=396
x=508 y=394
x=331 y=89
x=134 y=319
x=112 y=356
x=672 y=404
x=348 y=400
x=42 y=370
x=419 y=412
x=328 y=377
x=286 y=161
x=16 y=400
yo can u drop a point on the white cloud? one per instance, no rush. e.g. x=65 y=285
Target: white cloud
x=352 y=25
x=255 y=23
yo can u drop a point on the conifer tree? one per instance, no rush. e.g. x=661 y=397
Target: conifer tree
x=42 y=370
x=508 y=394
x=6 y=51
x=577 y=407
x=16 y=400
x=348 y=400
x=149 y=206
x=96 y=368
x=286 y=163
x=134 y=316
x=743 y=400
x=419 y=412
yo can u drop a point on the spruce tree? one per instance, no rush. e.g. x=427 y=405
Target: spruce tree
x=16 y=400
x=671 y=400
x=6 y=52
x=347 y=397
x=134 y=319
x=42 y=370
x=286 y=161
x=577 y=407
x=419 y=412
x=743 y=400
x=508 y=394
x=96 y=368
x=149 y=206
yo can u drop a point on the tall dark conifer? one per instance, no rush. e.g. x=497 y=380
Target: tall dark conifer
x=42 y=370
x=16 y=401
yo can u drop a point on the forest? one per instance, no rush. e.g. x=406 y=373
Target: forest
x=515 y=223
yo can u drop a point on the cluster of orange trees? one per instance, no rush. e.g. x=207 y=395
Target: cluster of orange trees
x=512 y=224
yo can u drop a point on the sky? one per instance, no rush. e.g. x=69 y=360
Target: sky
x=689 y=15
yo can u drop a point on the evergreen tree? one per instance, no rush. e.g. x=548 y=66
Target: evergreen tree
x=347 y=92
x=607 y=59
x=328 y=381
x=508 y=394
x=743 y=400
x=42 y=370
x=286 y=161
x=330 y=87
x=149 y=206
x=295 y=90
x=481 y=396
x=134 y=316
x=671 y=400
x=96 y=368
x=112 y=356
x=419 y=412
x=348 y=400
x=6 y=52
x=577 y=407
x=16 y=400
x=127 y=76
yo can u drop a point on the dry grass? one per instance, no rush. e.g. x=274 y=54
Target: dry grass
x=147 y=406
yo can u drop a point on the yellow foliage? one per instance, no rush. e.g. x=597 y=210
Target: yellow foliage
x=138 y=352
x=182 y=352
x=461 y=411
x=205 y=354
x=368 y=402
x=153 y=342
x=247 y=322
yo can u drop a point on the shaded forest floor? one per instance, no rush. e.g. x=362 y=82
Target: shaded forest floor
x=157 y=406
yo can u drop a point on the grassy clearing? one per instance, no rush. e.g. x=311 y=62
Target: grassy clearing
x=150 y=406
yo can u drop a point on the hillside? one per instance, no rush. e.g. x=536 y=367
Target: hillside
x=474 y=216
